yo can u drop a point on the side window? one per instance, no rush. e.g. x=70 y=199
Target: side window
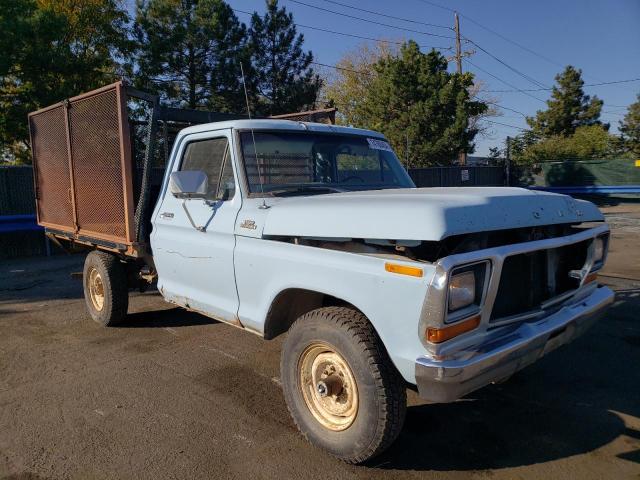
x=227 y=187
x=211 y=157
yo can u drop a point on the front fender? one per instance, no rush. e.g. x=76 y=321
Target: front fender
x=392 y=302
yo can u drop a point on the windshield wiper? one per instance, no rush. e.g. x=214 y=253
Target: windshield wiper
x=306 y=189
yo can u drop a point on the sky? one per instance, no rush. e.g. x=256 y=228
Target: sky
x=601 y=37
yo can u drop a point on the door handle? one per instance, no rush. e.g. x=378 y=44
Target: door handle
x=166 y=215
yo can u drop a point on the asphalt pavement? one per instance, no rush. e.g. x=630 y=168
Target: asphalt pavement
x=173 y=394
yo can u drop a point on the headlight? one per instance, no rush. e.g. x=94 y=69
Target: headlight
x=462 y=290
x=598 y=249
x=466 y=286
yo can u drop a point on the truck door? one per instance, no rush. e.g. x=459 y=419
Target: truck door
x=193 y=239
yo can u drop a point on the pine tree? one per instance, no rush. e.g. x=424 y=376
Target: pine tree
x=421 y=108
x=281 y=71
x=190 y=52
x=51 y=50
x=630 y=127
x=568 y=109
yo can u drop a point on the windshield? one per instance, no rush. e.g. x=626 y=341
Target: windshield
x=311 y=162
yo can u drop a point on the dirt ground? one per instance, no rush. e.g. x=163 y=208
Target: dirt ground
x=173 y=394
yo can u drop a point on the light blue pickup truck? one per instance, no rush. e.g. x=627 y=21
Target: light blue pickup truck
x=317 y=232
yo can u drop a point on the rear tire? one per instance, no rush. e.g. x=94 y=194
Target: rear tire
x=341 y=388
x=106 y=291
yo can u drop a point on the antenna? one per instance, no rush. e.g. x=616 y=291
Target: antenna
x=253 y=137
x=246 y=96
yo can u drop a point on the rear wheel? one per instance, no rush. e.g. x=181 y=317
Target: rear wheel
x=340 y=386
x=106 y=291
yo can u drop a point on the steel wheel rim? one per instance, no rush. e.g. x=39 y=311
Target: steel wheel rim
x=96 y=289
x=328 y=386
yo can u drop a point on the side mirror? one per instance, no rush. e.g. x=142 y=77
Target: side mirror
x=189 y=184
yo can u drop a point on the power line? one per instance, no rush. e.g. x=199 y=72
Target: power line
x=542 y=86
x=516 y=89
x=389 y=16
x=525 y=92
x=608 y=112
x=498 y=34
x=506 y=108
x=505 y=125
x=370 y=21
x=503 y=37
x=335 y=67
x=335 y=32
x=438 y=6
x=584 y=85
x=506 y=39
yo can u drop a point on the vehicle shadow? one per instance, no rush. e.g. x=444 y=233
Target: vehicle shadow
x=171 y=317
x=568 y=403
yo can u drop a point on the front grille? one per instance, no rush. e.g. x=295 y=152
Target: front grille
x=530 y=279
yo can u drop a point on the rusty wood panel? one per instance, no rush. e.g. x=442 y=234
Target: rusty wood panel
x=96 y=143
x=51 y=167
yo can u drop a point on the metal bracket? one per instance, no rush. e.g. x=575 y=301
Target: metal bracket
x=200 y=229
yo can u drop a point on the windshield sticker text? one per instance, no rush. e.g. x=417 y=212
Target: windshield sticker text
x=377 y=144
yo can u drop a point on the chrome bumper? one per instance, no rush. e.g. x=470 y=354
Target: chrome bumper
x=498 y=358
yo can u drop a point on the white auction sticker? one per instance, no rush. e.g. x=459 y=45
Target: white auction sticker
x=378 y=144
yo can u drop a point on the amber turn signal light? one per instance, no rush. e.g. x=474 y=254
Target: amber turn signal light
x=439 y=335
x=403 y=269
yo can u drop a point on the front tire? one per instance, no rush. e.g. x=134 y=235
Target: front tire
x=106 y=291
x=341 y=388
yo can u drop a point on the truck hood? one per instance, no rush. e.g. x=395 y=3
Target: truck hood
x=422 y=213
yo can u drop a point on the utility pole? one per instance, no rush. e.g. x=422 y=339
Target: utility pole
x=507 y=162
x=458 y=47
x=462 y=156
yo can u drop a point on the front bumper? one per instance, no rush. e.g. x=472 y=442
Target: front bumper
x=498 y=358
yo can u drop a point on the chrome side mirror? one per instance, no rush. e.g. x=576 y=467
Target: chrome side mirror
x=189 y=184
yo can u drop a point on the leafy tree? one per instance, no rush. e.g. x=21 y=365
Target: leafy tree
x=422 y=109
x=51 y=50
x=190 y=51
x=568 y=108
x=281 y=69
x=348 y=85
x=630 y=127
x=520 y=143
x=588 y=141
x=495 y=153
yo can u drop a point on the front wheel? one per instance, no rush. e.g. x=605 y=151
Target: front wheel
x=340 y=386
x=106 y=291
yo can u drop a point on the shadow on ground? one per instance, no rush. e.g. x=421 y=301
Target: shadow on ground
x=171 y=317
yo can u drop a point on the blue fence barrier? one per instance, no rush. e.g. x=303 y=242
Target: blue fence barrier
x=18 y=223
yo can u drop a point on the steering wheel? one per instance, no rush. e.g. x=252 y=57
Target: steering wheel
x=352 y=177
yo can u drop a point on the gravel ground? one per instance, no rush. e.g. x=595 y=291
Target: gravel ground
x=176 y=395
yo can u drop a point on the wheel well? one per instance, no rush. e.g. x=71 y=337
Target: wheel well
x=291 y=304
